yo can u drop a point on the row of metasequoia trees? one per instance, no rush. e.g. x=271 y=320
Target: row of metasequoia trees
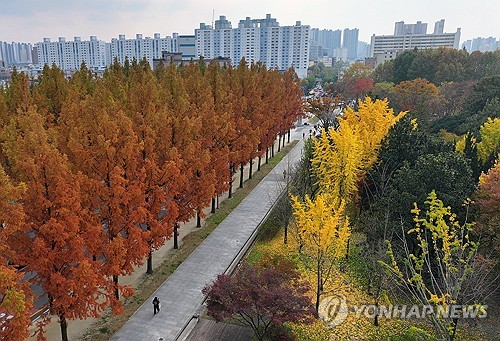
x=96 y=173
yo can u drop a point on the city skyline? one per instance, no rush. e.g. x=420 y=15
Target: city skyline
x=28 y=21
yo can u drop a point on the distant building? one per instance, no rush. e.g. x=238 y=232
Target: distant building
x=97 y=54
x=139 y=48
x=439 y=27
x=256 y=40
x=363 y=50
x=316 y=51
x=329 y=40
x=328 y=61
x=401 y=29
x=69 y=55
x=350 y=42
x=177 y=58
x=481 y=44
x=410 y=37
x=340 y=54
x=15 y=53
x=186 y=44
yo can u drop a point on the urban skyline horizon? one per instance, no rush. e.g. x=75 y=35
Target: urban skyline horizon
x=134 y=17
x=147 y=35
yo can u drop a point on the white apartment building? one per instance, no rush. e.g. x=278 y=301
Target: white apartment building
x=407 y=40
x=256 y=40
x=97 y=54
x=69 y=55
x=15 y=53
x=140 y=48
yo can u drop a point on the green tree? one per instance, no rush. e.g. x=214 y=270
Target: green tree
x=448 y=173
x=485 y=90
x=402 y=64
x=439 y=272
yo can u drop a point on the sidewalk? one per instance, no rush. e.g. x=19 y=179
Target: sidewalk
x=180 y=294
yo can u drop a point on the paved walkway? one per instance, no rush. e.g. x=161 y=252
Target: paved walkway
x=180 y=294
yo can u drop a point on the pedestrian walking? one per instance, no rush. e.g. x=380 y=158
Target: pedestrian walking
x=284 y=173
x=156 y=305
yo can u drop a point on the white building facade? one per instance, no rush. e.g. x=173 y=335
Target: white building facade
x=382 y=45
x=139 y=48
x=69 y=55
x=256 y=40
x=15 y=53
x=97 y=54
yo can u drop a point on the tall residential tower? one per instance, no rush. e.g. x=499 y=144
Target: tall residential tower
x=261 y=40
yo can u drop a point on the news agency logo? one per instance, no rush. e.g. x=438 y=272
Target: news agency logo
x=334 y=311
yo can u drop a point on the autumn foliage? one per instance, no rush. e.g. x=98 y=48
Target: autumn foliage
x=261 y=296
x=342 y=156
x=95 y=173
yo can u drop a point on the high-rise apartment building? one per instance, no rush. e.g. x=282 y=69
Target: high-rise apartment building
x=69 y=55
x=481 y=44
x=439 y=27
x=139 y=48
x=15 y=53
x=410 y=37
x=97 y=54
x=261 y=40
x=350 y=42
x=400 y=28
x=329 y=40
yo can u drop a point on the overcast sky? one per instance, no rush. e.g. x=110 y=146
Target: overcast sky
x=32 y=20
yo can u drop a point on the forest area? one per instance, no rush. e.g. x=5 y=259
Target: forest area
x=96 y=173
x=395 y=203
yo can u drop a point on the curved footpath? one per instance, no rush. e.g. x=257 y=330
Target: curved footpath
x=180 y=295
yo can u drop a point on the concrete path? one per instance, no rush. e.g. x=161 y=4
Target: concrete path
x=180 y=295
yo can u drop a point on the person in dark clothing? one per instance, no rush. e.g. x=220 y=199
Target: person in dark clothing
x=156 y=305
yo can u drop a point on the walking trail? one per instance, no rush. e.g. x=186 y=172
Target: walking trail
x=180 y=295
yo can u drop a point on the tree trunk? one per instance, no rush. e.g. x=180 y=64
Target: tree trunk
x=455 y=324
x=217 y=201
x=318 y=287
x=198 y=219
x=259 y=163
x=283 y=140
x=285 y=239
x=117 y=292
x=230 y=194
x=176 y=233
x=241 y=175
x=213 y=205
x=375 y=321
x=251 y=166
x=149 y=270
x=272 y=150
x=279 y=143
x=267 y=155
x=347 y=251
x=64 y=327
x=288 y=135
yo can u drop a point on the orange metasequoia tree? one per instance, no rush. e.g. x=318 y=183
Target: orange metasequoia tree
x=54 y=243
x=15 y=296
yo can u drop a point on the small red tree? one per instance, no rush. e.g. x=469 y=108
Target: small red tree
x=261 y=296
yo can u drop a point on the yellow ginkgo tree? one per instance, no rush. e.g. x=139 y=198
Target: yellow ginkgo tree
x=441 y=274
x=322 y=228
x=490 y=139
x=342 y=156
